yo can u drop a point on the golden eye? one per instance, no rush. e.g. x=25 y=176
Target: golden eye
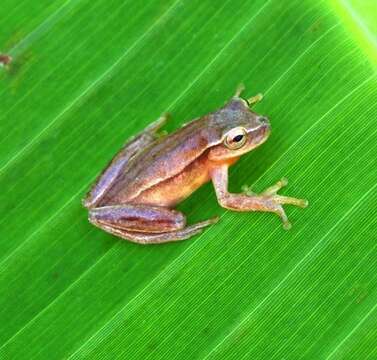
x=235 y=138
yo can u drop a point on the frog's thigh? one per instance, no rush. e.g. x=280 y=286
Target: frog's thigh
x=140 y=218
x=159 y=238
x=119 y=163
x=145 y=224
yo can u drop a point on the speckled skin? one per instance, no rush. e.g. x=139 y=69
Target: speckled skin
x=134 y=196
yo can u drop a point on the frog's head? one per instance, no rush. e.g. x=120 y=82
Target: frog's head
x=241 y=128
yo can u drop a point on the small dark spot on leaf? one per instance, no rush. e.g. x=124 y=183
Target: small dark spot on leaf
x=315 y=26
x=152 y=346
x=206 y=330
x=5 y=60
x=358 y=293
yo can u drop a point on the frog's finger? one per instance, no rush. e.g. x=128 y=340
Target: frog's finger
x=157 y=124
x=205 y=223
x=279 y=199
x=239 y=90
x=272 y=190
x=255 y=99
x=284 y=218
x=246 y=189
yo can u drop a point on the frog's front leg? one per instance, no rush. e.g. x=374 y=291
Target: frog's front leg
x=268 y=200
x=145 y=224
x=120 y=161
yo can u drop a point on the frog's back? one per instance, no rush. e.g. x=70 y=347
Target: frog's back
x=164 y=159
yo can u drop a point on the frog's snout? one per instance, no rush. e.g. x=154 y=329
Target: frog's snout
x=263 y=120
x=264 y=125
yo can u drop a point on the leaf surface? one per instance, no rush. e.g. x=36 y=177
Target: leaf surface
x=85 y=76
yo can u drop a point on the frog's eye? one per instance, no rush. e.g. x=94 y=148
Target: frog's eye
x=235 y=138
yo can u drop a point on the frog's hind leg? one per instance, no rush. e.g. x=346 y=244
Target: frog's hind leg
x=149 y=238
x=121 y=160
x=145 y=224
x=157 y=124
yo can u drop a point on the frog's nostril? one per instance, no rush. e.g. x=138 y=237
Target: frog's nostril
x=264 y=119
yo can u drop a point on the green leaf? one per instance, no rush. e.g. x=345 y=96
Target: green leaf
x=85 y=76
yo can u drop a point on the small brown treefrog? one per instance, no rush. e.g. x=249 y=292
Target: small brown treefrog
x=135 y=196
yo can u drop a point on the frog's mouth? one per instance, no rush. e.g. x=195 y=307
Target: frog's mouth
x=261 y=134
x=266 y=129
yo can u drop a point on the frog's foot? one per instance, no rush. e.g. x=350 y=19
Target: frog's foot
x=239 y=90
x=268 y=200
x=247 y=190
x=272 y=190
x=158 y=124
x=276 y=201
x=255 y=99
x=252 y=100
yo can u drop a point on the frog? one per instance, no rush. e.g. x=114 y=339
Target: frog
x=135 y=196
